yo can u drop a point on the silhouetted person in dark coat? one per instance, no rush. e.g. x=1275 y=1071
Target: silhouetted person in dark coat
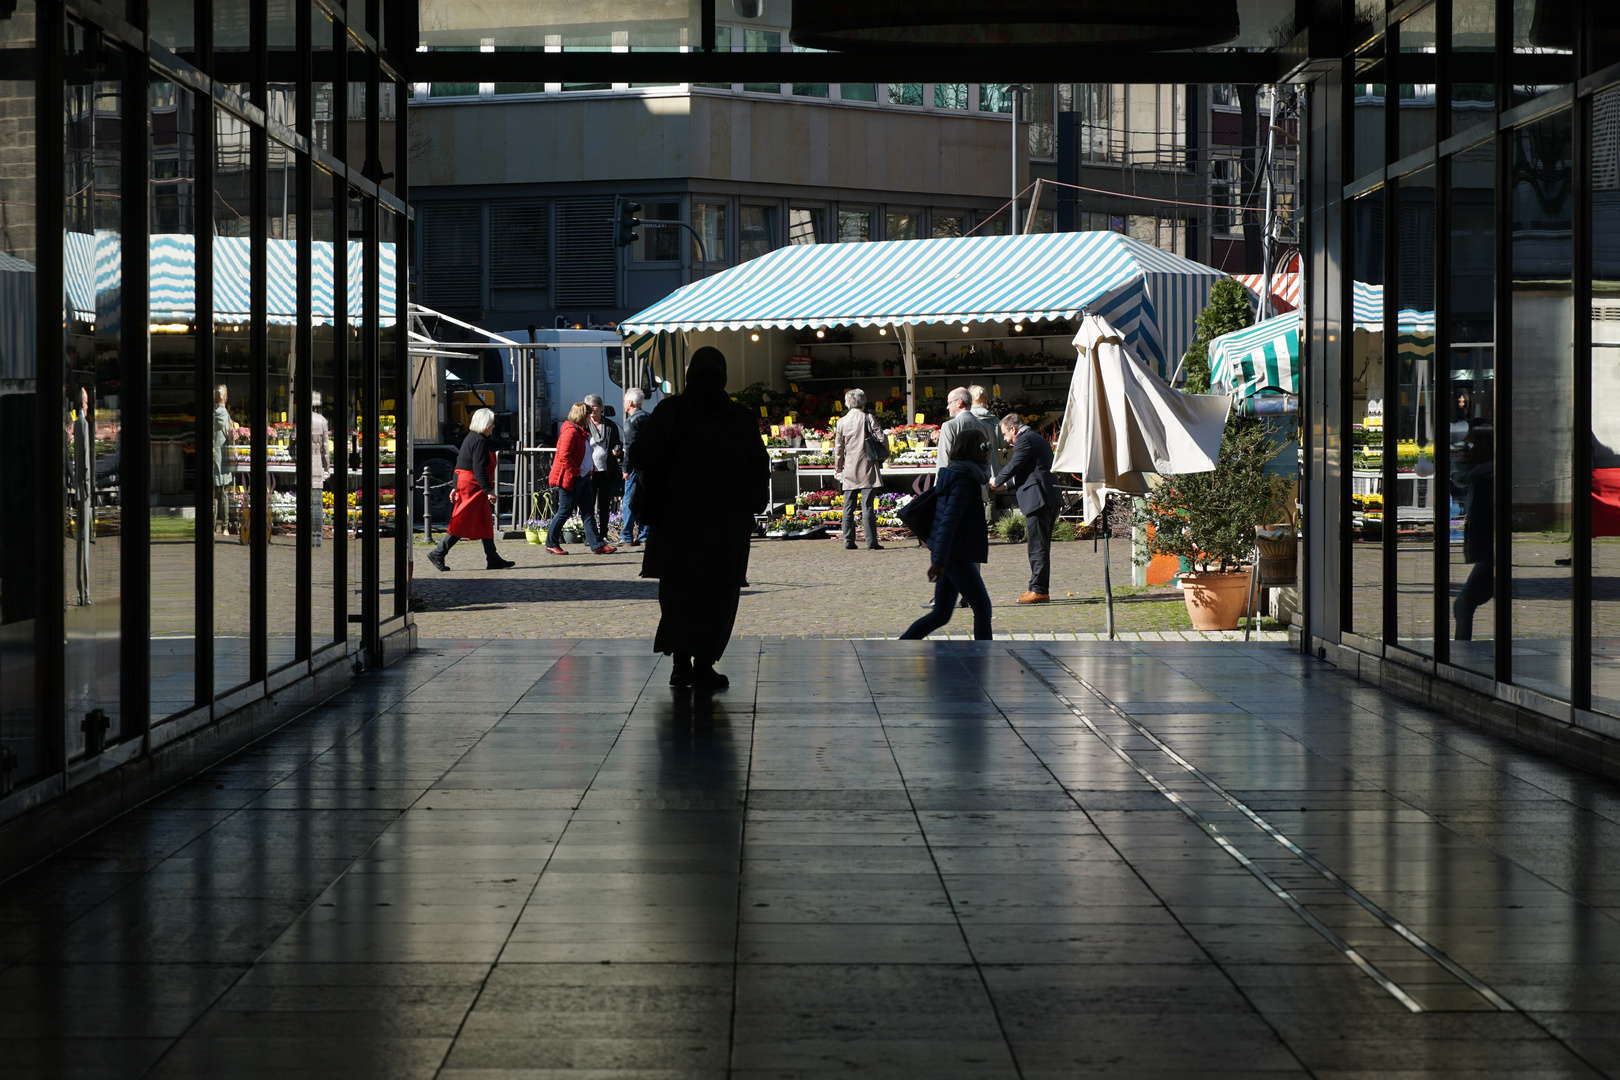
x=1474 y=479
x=701 y=450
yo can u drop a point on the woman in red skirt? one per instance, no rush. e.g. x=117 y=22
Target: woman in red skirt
x=472 y=516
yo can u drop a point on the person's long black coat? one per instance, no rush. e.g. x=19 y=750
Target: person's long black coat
x=706 y=473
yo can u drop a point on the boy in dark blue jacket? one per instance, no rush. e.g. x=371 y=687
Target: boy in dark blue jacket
x=958 y=540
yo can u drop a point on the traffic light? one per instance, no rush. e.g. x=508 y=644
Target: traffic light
x=624 y=230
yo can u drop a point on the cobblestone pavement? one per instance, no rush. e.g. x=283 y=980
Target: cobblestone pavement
x=812 y=588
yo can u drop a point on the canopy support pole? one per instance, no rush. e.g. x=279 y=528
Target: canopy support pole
x=909 y=355
x=1108 y=578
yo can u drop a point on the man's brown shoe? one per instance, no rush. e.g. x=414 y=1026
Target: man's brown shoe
x=1033 y=598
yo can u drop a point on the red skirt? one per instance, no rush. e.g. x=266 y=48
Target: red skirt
x=471 y=517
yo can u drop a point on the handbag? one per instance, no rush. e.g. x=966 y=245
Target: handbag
x=918 y=514
x=877 y=448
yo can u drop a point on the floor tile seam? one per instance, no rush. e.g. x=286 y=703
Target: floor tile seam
x=483 y=983
x=1331 y=877
x=939 y=876
x=1237 y=988
x=742 y=846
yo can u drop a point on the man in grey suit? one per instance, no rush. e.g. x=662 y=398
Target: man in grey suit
x=1029 y=474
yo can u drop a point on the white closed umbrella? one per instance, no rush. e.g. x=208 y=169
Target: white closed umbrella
x=1123 y=422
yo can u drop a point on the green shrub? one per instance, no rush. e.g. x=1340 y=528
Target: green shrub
x=1228 y=310
x=1064 y=531
x=1011 y=527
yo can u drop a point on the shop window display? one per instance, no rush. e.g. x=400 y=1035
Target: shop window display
x=286 y=482
x=1369 y=515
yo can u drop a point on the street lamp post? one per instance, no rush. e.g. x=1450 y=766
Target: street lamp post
x=1013 y=90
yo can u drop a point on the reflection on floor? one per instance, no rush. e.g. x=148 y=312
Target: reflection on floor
x=530 y=859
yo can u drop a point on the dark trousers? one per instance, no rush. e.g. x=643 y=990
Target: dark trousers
x=1039 y=528
x=868 y=501
x=582 y=498
x=628 y=529
x=1477 y=590
x=605 y=487
x=491 y=555
x=957 y=578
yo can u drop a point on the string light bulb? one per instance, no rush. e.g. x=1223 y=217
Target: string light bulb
x=754 y=336
x=964 y=328
x=821 y=333
x=883 y=331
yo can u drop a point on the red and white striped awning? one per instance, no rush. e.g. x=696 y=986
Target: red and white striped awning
x=1284 y=288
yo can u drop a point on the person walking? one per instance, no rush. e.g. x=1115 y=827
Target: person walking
x=700 y=448
x=631 y=531
x=224 y=461
x=1475 y=481
x=571 y=480
x=1029 y=474
x=320 y=467
x=854 y=468
x=607 y=454
x=472 y=514
x=958 y=541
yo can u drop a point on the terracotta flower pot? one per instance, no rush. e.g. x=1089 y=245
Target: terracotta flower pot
x=1215 y=601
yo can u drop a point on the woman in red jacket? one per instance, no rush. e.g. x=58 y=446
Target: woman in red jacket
x=572 y=486
x=473 y=514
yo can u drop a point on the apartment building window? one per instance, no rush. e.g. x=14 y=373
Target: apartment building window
x=950 y=95
x=814 y=90
x=439 y=90
x=857 y=91
x=762 y=41
x=994 y=97
x=658 y=243
x=946 y=225
x=502 y=89
x=1224 y=96
x=854 y=226
x=1043 y=221
x=756 y=232
x=1225 y=196
x=905 y=94
x=709 y=219
x=722 y=43
x=1042 y=122
x=806 y=225
x=900 y=227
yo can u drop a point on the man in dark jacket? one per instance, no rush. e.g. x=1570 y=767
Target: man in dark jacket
x=1029 y=475
x=1474 y=480
x=957 y=539
x=634 y=416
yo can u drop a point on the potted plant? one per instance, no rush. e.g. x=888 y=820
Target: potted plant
x=1208 y=521
x=534 y=530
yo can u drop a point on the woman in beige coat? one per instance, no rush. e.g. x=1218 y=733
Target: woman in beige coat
x=858 y=473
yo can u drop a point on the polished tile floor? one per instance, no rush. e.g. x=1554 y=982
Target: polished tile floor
x=517 y=860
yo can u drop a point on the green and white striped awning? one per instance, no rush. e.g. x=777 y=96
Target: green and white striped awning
x=1259 y=358
x=664 y=351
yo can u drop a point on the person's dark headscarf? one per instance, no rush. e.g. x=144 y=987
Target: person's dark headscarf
x=706 y=371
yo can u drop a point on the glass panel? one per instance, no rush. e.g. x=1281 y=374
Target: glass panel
x=1605 y=36
x=945 y=225
x=1368 y=512
x=1042 y=119
x=815 y=90
x=1473 y=57
x=658 y=243
x=326 y=405
x=950 y=95
x=1543 y=34
x=22 y=728
x=1415 y=416
x=900 y=227
x=359 y=63
x=757 y=234
x=1094 y=104
x=515 y=88
x=447 y=89
x=857 y=91
x=283 y=24
x=92 y=375
x=1604 y=371
x=231 y=25
x=854 y=226
x=709 y=219
x=762 y=41
x=362 y=522
x=286 y=482
x=173 y=24
x=994 y=97
x=1417 y=90
x=806 y=225
x=177 y=472
x=905 y=93
x=1471 y=395
x=232 y=425
x=390 y=602
x=657 y=25
x=1543 y=363
x=1368 y=115
x=722 y=43
x=321 y=117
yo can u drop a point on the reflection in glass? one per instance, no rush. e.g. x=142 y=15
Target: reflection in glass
x=905 y=94
x=363 y=505
x=757 y=232
x=653 y=25
x=1604 y=371
x=236 y=514
x=1368 y=115
x=92 y=378
x=1370 y=514
x=950 y=95
x=1473 y=56
x=805 y=225
x=1415 y=415
x=1541 y=204
x=22 y=727
x=1416 y=101
x=1471 y=409
x=709 y=219
x=326 y=403
x=900 y=227
x=285 y=481
x=389 y=448
x=762 y=41
x=946 y=225
x=854 y=226
x=178 y=471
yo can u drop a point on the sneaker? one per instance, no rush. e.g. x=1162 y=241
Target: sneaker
x=1034 y=598
x=499 y=564
x=557 y=551
x=437 y=560
x=605 y=549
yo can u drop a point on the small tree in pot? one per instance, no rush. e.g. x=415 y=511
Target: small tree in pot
x=1208 y=519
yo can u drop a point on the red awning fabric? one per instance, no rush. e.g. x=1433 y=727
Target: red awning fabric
x=1606 y=502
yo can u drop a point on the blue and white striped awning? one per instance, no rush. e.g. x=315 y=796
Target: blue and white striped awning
x=1151 y=296
x=1367 y=302
x=92 y=267
x=1257 y=358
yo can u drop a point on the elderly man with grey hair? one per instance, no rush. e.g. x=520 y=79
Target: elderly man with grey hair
x=859 y=474
x=631 y=532
x=606 y=448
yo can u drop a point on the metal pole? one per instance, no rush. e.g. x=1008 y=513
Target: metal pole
x=1108 y=577
x=1267 y=309
x=1012 y=111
